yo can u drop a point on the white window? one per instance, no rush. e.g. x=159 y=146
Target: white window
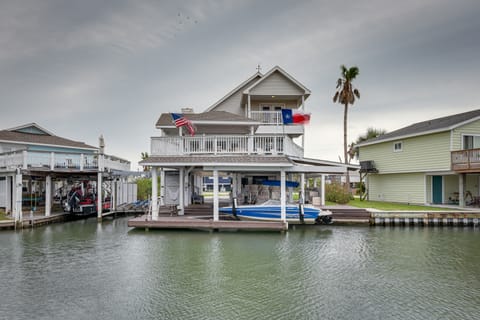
x=272 y=107
x=471 y=142
x=397 y=146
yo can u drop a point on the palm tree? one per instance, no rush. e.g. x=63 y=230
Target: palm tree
x=345 y=95
x=144 y=156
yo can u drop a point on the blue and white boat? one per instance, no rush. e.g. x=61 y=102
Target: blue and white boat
x=271 y=211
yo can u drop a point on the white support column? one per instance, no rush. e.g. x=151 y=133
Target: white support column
x=121 y=198
x=99 y=196
x=18 y=197
x=215 y=196
x=8 y=194
x=154 y=193
x=48 y=195
x=162 y=187
x=181 y=192
x=322 y=202
x=249 y=106
x=113 y=196
x=283 y=196
x=302 y=187
x=461 y=190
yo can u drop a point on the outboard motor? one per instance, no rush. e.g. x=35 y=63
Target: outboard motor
x=234 y=207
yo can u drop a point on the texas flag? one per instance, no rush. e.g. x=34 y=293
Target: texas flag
x=296 y=118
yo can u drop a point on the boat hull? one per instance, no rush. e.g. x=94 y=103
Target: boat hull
x=273 y=213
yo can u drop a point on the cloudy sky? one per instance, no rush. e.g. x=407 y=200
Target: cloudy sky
x=85 y=68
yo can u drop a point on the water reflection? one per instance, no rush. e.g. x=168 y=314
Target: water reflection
x=84 y=270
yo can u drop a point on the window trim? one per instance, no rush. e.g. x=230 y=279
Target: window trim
x=400 y=143
x=469 y=135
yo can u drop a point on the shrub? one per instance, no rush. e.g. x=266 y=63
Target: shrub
x=335 y=192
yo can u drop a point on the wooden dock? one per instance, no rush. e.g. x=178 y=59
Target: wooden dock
x=204 y=223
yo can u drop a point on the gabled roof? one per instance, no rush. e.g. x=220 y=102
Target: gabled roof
x=285 y=74
x=231 y=93
x=32 y=133
x=31 y=128
x=259 y=78
x=427 y=127
x=212 y=117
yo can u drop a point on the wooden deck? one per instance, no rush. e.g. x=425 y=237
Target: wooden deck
x=203 y=223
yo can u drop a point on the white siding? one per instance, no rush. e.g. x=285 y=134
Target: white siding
x=276 y=84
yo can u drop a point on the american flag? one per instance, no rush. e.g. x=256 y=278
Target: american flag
x=181 y=121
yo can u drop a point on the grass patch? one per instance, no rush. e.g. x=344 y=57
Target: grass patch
x=3 y=215
x=389 y=206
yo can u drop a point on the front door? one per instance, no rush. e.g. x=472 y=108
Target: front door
x=437 y=187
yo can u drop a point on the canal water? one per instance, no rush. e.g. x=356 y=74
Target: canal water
x=86 y=270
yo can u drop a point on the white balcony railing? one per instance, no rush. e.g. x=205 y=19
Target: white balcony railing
x=174 y=146
x=59 y=160
x=273 y=118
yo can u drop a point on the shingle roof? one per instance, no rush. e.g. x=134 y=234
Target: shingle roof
x=429 y=126
x=44 y=139
x=223 y=116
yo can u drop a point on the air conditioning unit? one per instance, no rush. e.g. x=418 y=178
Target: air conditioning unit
x=367 y=165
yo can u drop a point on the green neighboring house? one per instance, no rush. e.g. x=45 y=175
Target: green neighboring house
x=430 y=162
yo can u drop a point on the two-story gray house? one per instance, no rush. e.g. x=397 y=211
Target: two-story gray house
x=241 y=136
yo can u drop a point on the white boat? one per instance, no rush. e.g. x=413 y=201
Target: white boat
x=271 y=211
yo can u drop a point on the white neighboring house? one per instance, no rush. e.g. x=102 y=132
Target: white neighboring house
x=33 y=161
x=241 y=136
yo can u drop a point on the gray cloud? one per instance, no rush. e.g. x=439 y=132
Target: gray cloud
x=85 y=68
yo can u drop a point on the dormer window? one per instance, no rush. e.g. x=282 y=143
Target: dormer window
x=398 y=146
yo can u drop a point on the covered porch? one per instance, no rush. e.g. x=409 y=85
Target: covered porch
x=182 y=178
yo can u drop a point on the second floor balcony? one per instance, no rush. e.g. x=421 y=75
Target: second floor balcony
x=226 y=144
x=52 y=161
x=464 y=161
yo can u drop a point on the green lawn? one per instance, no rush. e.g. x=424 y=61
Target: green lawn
x=2 y=216
x=388 y=206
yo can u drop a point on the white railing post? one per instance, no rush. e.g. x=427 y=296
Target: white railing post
x=24 y=160
x=81 y=161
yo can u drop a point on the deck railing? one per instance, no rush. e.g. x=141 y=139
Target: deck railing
x=60 y=160
x=466 y=160
x=268 y=117
x=174 y=146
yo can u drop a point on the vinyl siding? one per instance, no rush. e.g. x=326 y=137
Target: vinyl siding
x=276 y=84
x=472 y=128
x=419 y=154
x=405 y=188
x=233 y=103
